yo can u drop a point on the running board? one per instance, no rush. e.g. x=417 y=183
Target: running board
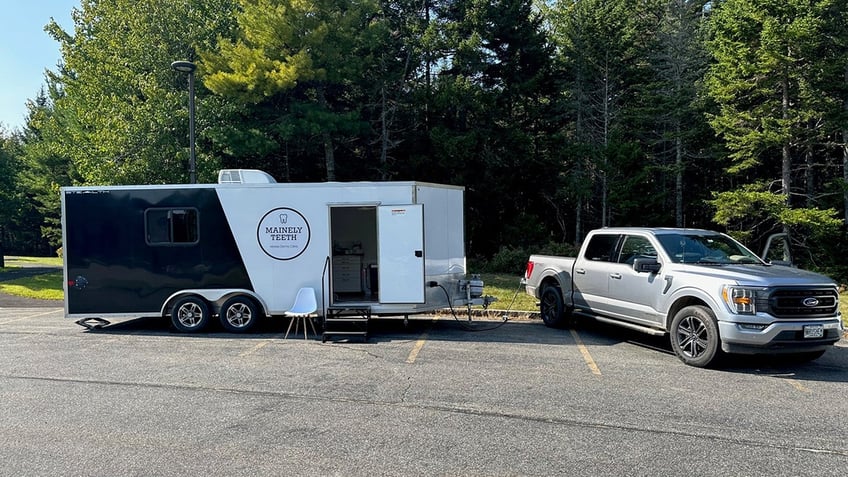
x=626 y=324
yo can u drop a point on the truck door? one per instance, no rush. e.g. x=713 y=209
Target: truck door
x=591 y=273
x=400 y=249
x=632 y=294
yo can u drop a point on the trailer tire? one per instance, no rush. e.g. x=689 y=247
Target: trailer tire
x=239 y=314
x=552 y=308
x=190 y=314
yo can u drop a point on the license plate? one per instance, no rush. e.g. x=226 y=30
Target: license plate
x=813 y=331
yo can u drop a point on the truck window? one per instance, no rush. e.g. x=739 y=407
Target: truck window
x=600 y=248
x=635 y=247
x=171 y=226
x=705 y=249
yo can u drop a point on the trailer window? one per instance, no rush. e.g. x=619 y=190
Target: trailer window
x=171 y=226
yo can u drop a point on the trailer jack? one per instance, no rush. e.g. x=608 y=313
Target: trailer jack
x=97 y=324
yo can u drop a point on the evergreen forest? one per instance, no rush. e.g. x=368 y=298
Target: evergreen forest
x=557 y=116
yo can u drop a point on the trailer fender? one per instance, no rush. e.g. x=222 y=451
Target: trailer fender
x=216 y=297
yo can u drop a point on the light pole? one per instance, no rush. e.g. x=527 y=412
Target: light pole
x=189 y=67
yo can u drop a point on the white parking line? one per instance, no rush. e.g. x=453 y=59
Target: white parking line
x=30 y=316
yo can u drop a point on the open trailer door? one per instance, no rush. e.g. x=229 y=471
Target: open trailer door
x=401 y=253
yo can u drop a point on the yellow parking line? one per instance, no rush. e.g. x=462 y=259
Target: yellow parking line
x=416 y=349
x=586 y=356
x=798 y=386
x=259 y=346
x=254 y=349
x=28 y=317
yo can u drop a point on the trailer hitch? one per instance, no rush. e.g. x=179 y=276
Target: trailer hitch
x=92 y=323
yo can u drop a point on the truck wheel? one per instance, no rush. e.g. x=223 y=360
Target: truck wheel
x=552 y=308
x=694 y=336
x=238 y=314
x=190 y=314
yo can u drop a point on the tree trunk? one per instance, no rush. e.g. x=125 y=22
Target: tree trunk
x=845 y=167
x=327 y=139
x=786 y=153
x=786 y=161
x=845 y=156
x=678 y=177
x=604 y=186
x=329 y=157
x=384 y=136
x=578 y=222
x=809 y=177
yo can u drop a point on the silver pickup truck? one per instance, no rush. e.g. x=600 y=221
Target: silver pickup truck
x=702 y=288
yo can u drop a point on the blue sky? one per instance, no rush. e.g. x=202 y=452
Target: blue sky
x=26 y=51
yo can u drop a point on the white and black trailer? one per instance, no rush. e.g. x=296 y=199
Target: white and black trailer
x=243 y=248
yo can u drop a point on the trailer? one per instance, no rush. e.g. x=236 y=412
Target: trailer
x=243 y=248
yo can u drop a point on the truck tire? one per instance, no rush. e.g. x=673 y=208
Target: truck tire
x=694 y=336
x=190 y=314
x=238 y=314
x=552 y=308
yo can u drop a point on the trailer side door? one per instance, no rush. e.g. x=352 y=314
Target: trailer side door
x=401 y=253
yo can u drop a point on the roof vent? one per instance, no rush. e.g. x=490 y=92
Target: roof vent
x=244 y=176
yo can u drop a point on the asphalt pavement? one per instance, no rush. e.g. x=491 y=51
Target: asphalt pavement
x=428 y=398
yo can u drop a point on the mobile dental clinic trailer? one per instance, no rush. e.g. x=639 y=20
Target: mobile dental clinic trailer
x=241 y=249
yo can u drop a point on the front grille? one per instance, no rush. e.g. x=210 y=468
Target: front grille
x=799 y=303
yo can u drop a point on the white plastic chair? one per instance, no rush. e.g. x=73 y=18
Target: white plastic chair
x=304 y=306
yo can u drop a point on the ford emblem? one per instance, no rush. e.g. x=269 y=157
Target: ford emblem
x=810 y=302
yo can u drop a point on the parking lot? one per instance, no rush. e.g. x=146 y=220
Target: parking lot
x=427 y=398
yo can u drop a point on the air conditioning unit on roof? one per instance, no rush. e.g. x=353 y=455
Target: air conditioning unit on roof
x=244 y=176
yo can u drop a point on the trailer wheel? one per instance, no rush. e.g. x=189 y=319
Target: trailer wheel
x=190 y=314
x=238 y=314
x=552 y=308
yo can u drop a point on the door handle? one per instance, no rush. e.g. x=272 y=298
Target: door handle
x=616 y=276
x=580 y=271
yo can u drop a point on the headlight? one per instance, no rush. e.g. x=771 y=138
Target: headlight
x=740 y=300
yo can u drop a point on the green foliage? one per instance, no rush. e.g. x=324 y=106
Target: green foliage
x=294 y=60
x=120 y=111
x=753 y=204
x=766 y=53
x=557 y=117
x=513 y=260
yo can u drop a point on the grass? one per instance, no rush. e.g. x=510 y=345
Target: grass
x=43 y=287
x=13 y=262
x=47 y=286
x=504 y=287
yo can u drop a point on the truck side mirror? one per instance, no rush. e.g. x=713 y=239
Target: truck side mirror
x=650 y=265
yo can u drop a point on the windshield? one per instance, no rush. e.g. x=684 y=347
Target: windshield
x=705 y=249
